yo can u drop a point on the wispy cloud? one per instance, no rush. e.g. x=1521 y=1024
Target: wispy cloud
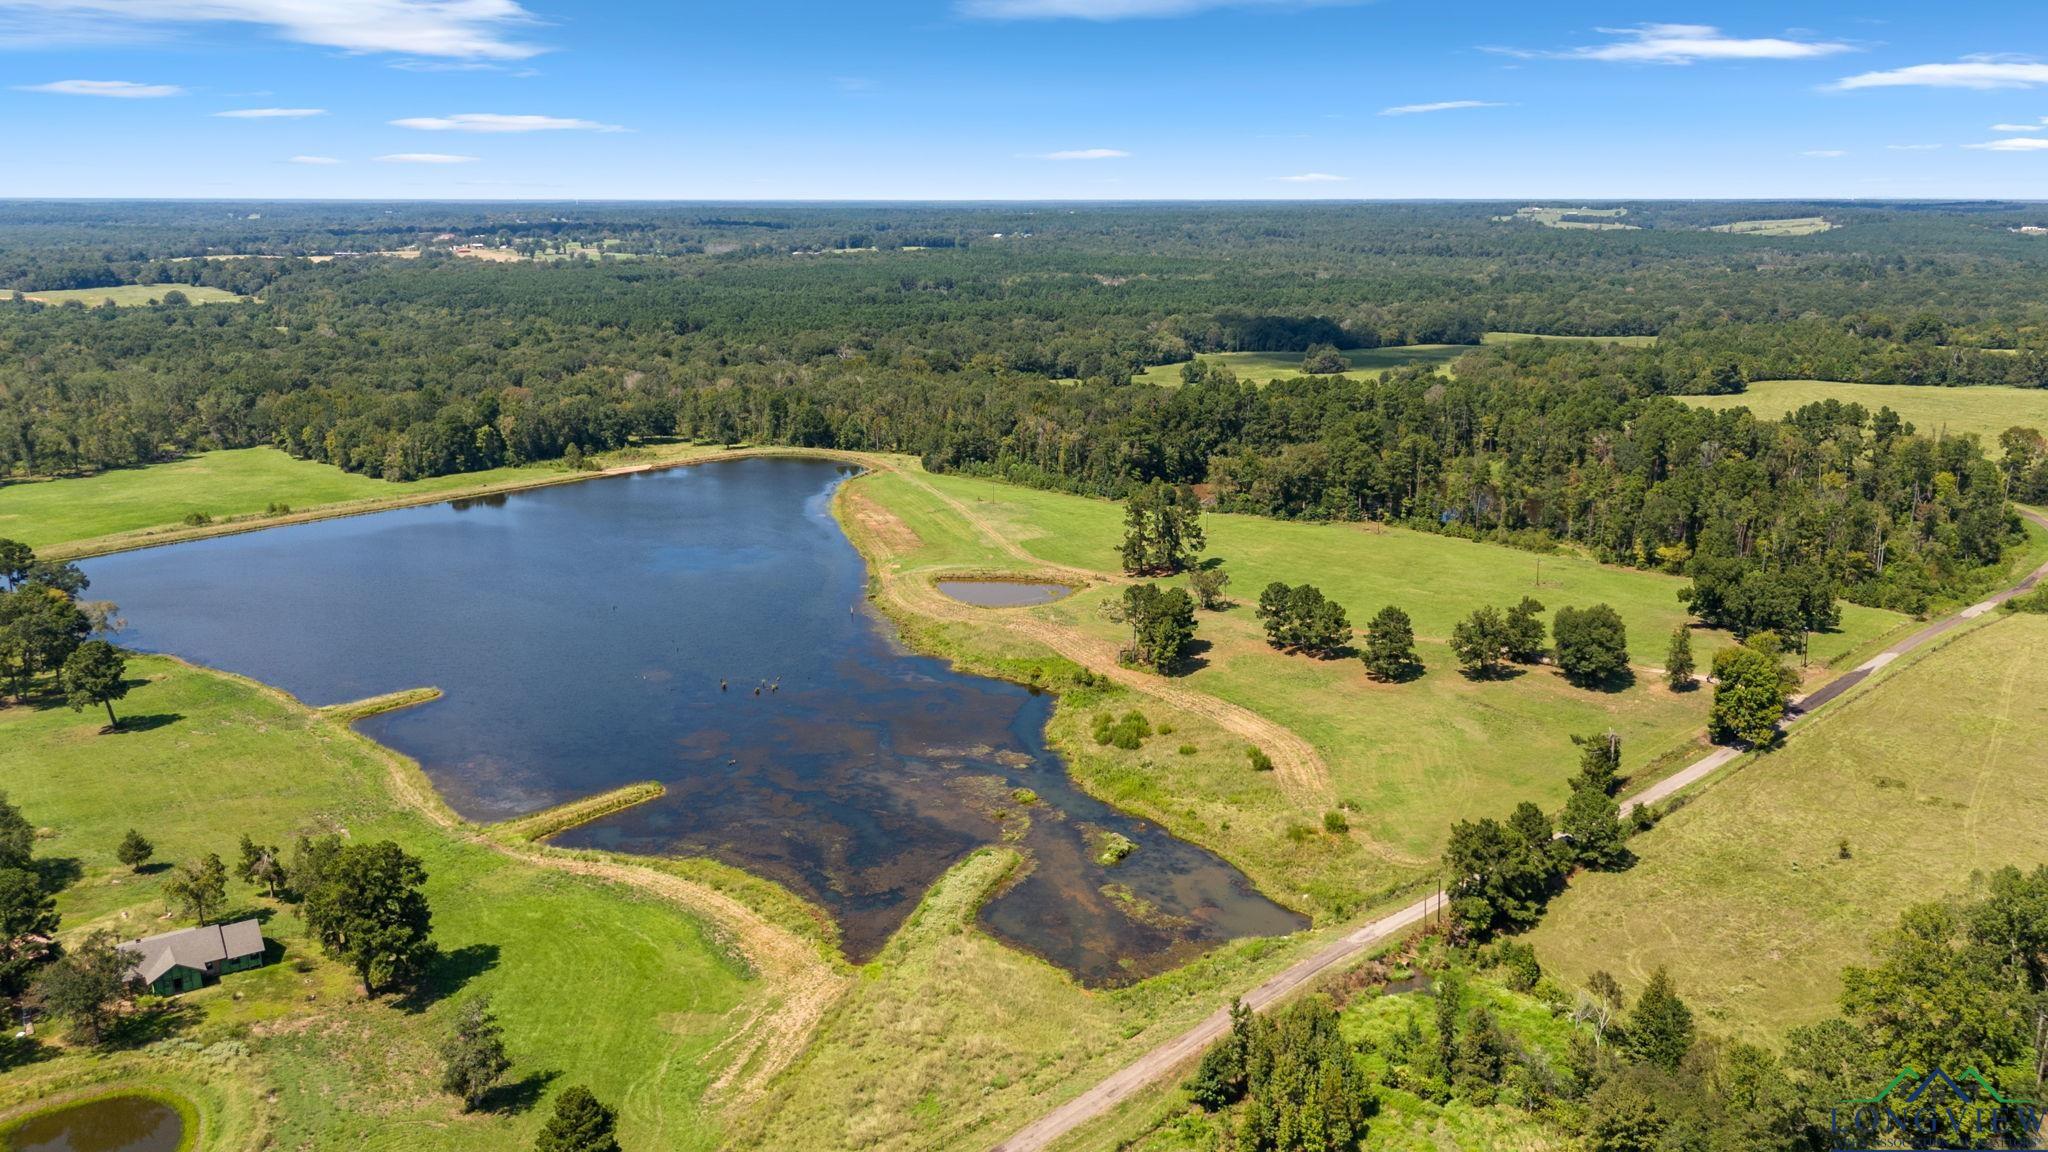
x=1686 y=44
x=1979 y=72
x=271 y=113
x=1440 y=106
x=1313 y=178
x=2012 y=144
x=424 y=158
x=117 y=89
x=1107 y=10
x=496 y=122
x=2016 y=128
x=315 y=160
x=1825 y=153
x=1082 y=154
x=481 y=29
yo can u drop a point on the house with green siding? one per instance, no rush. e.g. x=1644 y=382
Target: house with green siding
x=184 y=961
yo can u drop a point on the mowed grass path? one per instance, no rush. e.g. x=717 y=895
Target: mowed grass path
x=239 y=482
x=1985 y=411
x=1411 y=758
x=596 y=984
x=133 y=295
x=1933 y=775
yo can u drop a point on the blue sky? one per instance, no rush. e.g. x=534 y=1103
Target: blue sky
x=1020 y=99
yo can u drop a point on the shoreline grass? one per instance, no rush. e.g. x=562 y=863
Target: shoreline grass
x=538 y=826
x=363 y=709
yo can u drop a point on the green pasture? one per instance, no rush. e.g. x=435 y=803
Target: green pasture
x=594 y=983
x=1779 y=872
x=1984 y=411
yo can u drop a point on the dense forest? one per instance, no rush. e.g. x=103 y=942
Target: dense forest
x=1002 y=340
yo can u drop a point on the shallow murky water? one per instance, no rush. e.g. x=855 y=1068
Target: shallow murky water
x=705 y=627
x=111 y=1124
x=1002 y=593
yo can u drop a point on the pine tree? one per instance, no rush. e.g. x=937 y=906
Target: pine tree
x=1390 y=645
x=1660 y=1025
x=580 y=1124
x=1678 y=666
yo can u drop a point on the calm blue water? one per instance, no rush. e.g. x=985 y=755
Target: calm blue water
x=581 y=634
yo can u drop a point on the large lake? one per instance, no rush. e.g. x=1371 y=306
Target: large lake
x=581 y=634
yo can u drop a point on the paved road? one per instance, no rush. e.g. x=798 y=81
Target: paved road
x=1162 y=1061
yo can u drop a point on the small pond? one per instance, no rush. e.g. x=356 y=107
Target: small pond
x=109 y=1124
x=706 y=627
x=1002 y=593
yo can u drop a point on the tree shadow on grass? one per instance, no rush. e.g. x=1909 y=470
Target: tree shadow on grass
x=56 y=873
x=1501 y=675
x=159 y=1021
x=21 y=1051
x=520 y=1095
x=449 y=973
x=1194 y=659
x=149 y=723
x=1620 y=681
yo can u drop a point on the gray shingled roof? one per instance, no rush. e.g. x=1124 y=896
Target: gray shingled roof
x=194 y=948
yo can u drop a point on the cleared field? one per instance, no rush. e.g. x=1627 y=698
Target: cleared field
x=1406 y=759
x=1265 y=367
x=220 y=485
x=1366 y=363
x=132 y=506
x=1517 y=337
x=1585 y=219
x=1931 y=776
x=134 y=295
x=303 y=1061
x=1984 y=411
x=1797 y=226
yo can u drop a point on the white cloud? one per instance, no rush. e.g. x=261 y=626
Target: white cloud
x=1440 y=106
x=1913 y=147
x=424 y=158
x=1106 y=10
x=1084 y=154
x=271 y=113
x=1824 y=153
x=1980 y=72
x=1313 y=178
x=500 y=122
x=1687 y=44
x=2016 y=128
x=455 y=28
x=317 y=160
x=2014 y=144
x=118 y=89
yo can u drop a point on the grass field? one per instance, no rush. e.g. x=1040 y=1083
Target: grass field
x=1797 y=226
x=1366 y=363
x=1983 y=411
x=124 y=506
x=1406 y=759
x=1932 y=775
x=1265 y=367
x=134 y=295
x=595 y=983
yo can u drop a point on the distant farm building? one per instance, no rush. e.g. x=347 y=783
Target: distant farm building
x=184 y=961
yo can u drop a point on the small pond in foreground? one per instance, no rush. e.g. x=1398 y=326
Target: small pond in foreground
x=109 y=1124
x=1002 y=593
x=581 y=634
